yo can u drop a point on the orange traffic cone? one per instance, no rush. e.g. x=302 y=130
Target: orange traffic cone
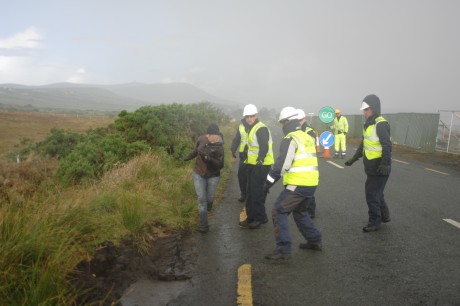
x=318 y=148
x=326 y=153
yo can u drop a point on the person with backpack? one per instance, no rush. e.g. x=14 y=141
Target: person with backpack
x=209 y=160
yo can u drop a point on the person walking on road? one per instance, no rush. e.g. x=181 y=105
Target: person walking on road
x=340 y=127
x=310 y=131
x=375 y=148
x=258 y=162
x=240 y=145
x=209 y=154
x=298 y=165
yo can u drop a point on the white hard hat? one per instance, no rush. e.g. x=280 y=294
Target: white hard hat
x=301 y=114
x=364 y=105
x=249 y=110
x=288 y=113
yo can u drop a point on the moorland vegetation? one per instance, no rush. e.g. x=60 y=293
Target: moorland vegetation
x=70 y=192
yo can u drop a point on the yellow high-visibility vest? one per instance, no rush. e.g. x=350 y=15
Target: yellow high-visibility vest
x=243 y=136
x=341 y=125
x=371 y=143
x=253 y=147
x=304 y=169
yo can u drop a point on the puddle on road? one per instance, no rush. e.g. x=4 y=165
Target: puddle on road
x=152 y=292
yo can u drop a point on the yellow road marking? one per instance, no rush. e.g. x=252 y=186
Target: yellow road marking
x=244 y=285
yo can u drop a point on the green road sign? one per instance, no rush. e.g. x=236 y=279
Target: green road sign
x=326 y=114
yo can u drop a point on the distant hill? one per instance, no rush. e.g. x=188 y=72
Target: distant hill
x=103 y=98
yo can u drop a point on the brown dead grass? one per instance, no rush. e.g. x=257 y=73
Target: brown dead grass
x=15 y=126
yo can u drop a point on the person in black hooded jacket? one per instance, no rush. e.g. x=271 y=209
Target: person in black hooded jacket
x=375 y=148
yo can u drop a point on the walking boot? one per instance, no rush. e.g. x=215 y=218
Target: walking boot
x=311 y=246
x=278 y=256
x=244 y=223
x=371 y=228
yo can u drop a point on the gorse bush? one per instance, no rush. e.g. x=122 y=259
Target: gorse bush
x=172 y=128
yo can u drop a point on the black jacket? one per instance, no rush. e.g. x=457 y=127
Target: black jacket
x=383 y=132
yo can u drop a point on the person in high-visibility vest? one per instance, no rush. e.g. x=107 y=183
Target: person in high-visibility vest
x=375 y=148
x=310 y=131
x=258 y=162
x=240 y=145
x=340 y=127
x=298 y=165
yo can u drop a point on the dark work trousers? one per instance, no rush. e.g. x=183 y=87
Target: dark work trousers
x=242 y=177
x=255 y=196
x=375 y=184
x=287 y=202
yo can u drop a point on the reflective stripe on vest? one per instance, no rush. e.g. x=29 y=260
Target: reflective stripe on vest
x=243 y=136
x=253 y=147
x=304 y=168
x=371 y=143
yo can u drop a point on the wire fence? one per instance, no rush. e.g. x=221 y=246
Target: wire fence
x=448 y=136
x=426 y=132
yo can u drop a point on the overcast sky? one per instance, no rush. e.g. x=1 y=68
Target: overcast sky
x=305 y=54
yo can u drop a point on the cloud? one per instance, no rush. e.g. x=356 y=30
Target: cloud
x=31 y=38
x=78 y=76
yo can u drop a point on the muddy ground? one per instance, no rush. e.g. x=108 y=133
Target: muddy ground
x=114 y=268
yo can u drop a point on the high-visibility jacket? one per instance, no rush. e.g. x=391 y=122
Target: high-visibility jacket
x=253 y=147
x=304 y=169
x=340 y=125
x=243 y=136
x=371 y=143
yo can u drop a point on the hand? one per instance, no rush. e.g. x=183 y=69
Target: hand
x=234 y=154
x=383 y=170
x=267 y=186
x=350 y=161
x=259 y=163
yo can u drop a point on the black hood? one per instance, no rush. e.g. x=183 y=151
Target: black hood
x=291 y=126
x=374 y=102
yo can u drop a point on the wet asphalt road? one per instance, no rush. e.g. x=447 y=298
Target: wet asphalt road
x=413 y=260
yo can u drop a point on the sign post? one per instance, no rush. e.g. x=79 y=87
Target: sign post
x=326 y=139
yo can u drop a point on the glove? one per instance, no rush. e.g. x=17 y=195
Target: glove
x=259 y=163
x=383 y=170
x=267 y=186
x=350 y=161
x=187 y=158
x=234 y=154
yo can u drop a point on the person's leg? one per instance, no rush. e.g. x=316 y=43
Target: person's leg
x=200 y=190
x=211 y=190
x=311 y=207
x=384 y=210
x=259 y=175
x=249 y=197
x=242 y=180
x=374 y=190
x=336 y=146
x=306 y=227
x=344 y=145
x=283 y=206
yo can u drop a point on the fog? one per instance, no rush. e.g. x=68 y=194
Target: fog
x=305 y=54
